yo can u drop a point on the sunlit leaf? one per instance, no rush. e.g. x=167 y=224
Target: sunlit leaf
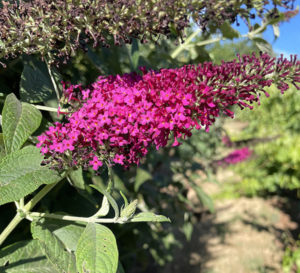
x=25 y=257
x=21 y=173
x=97 y=250
x=53 y=248
x=19 y=121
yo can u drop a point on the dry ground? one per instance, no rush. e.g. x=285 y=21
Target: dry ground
x=244 y=235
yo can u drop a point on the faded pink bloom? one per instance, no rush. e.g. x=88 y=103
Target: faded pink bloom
x=236 y=156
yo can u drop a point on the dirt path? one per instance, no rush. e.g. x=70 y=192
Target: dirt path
x=243 y=236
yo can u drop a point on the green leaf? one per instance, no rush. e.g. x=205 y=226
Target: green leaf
x=263 y=45
x=53 y=248
x=104 y=209
x=204 y=198
x=276 y=31
x=2 y=147
x=149 y=217
x=25 y=257
x=134 y=54
x=77 y=179
x=67 y=233
x=96 y=60
x=120 y=268
x=141 y=177
x=124 y=198
x=21 y=173
x=110 y=199
x=187 y=230
x=97 y=250
x=228 y=31
x=19 y=121
x=119 y=184
x=35 y=84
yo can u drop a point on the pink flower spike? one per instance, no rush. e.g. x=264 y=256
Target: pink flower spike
x=119 y=117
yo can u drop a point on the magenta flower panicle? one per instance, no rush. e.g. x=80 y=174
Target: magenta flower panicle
x=119 y=117
x=236 y=156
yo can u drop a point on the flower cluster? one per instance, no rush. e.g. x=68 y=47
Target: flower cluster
x=118 y=117
x=55 y=29
x=236 y=156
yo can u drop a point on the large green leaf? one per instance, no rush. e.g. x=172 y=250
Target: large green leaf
x=19 y=121
x=65 y=231
x=97 y=250
x=36 y=84
x=21 y=173
x=53 y=248
x=69 y=235
x=25 y=257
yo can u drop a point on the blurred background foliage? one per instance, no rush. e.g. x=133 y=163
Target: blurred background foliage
x=166 y=177
x=275 y=166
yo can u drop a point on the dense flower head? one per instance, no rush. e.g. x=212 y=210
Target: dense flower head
x=236 y=156
x=56 y=29
x=118 y=118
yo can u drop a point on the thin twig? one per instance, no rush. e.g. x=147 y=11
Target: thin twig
x=53 y=82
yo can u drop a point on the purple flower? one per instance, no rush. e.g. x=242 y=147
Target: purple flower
x=168 y=104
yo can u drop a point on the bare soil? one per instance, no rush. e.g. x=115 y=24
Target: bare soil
x=245 y=235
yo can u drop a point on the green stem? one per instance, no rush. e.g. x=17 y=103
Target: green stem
x=186 y=42
x=74 y=218
x=29 y=206
x=18 y=218
x=111 y=181
x=210 y=41
x=49 y=109
x=21 y=203
x=11 y=226
x=53 y=81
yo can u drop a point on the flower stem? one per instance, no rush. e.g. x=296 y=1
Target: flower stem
x=111 y=181
x=29 y=206
x=186 y=42
x=11 y=226
x=187 y=45
x=53 y=81
x=73 y=218
x=49 y=109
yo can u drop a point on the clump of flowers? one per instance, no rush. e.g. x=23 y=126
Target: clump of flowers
x=236 y=156
x=56 y=29
x=118 y=118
